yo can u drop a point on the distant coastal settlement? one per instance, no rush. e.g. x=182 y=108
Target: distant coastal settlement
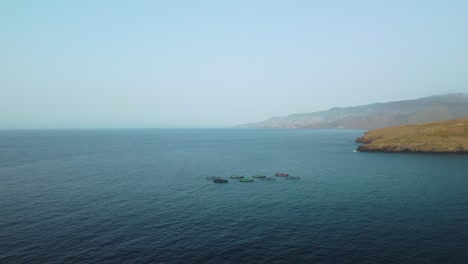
x=450 y=136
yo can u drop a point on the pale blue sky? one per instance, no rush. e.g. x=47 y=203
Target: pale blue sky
x=85 y=64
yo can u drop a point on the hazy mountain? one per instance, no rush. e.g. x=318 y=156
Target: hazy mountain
x=427 y=109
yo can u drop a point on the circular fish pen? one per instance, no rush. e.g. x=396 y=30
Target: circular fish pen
x=292 y=178
x=246 y=180
x=258 y=176
x=220 y=181
x=281 y=175
x=236 y=177
x=212 y=178
x=268 y=179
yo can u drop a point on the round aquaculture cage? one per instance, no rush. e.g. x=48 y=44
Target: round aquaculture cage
x=220 y=181
x=268 y=179
x=236 y=177
x=292 y=178
x=259 y=176
x=281 y=175
x=246 y=180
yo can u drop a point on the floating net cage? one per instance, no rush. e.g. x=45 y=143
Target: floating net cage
x=258 y=176
x=220 y=181
x=246 y=180
x=268 y=179
x=281 y=175
x=236 y=177
x=292 y=178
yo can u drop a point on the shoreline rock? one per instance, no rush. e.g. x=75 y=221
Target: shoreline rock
x=450 y=136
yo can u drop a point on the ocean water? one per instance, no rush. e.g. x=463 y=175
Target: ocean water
x=141 y=196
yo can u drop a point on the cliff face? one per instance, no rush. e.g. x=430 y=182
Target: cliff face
x=449 y=136
x=427 y=109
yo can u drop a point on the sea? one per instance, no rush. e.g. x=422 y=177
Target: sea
x=142 y=196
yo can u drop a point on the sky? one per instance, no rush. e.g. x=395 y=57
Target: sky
x=157 y=64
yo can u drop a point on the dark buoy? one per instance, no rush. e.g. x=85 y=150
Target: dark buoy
x=281 y=175
x=220 y=181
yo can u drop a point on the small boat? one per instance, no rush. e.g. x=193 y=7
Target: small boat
x=292 y=178
x=258 y=176
x=220 y=181
x=236 y=177
x=281 y=175
x=268 y=179
x=211 y=178
x=246 y=180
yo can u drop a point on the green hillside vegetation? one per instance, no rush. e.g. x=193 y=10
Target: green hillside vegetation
x=449 y=136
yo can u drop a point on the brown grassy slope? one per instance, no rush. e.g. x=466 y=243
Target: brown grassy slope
x=449 y=136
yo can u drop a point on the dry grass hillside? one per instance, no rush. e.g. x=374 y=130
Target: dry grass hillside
x=449 y=136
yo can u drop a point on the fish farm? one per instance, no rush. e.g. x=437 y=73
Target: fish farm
x=240 y=178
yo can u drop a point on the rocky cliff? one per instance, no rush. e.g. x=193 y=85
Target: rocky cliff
x=449 y=136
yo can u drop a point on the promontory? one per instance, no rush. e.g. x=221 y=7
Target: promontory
x=450 y=136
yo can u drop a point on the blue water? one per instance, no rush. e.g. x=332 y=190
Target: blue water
x=139 y=196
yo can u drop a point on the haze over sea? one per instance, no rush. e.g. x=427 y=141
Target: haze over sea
x=87 y=196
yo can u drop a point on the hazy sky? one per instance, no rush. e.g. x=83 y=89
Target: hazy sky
x=71 y=64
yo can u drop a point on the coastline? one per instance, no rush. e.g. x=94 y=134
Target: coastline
x=450 y=136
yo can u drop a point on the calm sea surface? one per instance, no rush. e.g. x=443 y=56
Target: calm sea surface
x=140 y=196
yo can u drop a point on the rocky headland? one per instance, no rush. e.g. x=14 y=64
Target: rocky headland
x=450 y=136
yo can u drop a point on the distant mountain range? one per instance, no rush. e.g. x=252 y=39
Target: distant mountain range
x=378 y=115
